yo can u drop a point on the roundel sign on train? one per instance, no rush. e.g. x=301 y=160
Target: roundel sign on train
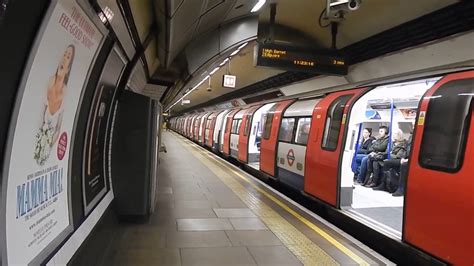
x=290 y=157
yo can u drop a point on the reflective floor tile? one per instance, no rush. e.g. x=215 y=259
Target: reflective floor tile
x=147 y=257
x=253 y=238
x=277 y=255
x=142 y=238
x=211 y=224
x=197 y=204
x=216 y=256
x=197 y=239
x=234 y=213
x=248 y=224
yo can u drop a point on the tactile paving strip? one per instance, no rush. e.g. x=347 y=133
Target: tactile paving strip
x=301 y=246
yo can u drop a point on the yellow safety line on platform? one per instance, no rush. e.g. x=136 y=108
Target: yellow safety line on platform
x=302 y=247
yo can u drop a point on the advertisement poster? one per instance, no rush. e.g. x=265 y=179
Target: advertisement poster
x=94 y=184
x=37 y=200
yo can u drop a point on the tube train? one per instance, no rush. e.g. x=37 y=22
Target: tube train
x=309 y=143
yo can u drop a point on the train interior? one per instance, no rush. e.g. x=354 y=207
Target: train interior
x=394 y=106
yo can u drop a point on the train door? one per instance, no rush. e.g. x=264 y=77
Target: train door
x=292 y=140
x=270 y=136
x=245 y=133
x=218 y=131
x=234 y=133
x=197 y=123
x=207 y=130
x=439 y=213
x=324 y=145
x=202 y=128
x=210 y=136
x=390 y=108
x=255 y=135
x=227 y=133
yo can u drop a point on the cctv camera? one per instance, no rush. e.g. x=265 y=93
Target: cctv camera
x=353 y=5
x=336 y=8
x=209 y=89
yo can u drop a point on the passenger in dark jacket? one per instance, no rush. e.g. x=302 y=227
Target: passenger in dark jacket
x=398 y=152
x=363 y=150
x=377 y=147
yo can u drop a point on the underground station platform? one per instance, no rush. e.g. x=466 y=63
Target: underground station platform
x=210 y=212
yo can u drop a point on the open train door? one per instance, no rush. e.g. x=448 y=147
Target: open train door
x=439 y=201
x=270 y=137
x=323 y=152
x=228 y=127
x=245 y=133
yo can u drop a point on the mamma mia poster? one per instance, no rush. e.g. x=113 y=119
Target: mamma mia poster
x=35 y=189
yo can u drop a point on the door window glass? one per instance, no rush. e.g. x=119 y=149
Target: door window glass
x=268 y=121
x=302 y=131
x=333 y=122
x=286 y=130
x=446 y=126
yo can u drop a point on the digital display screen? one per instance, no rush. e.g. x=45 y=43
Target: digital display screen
x=299 y=59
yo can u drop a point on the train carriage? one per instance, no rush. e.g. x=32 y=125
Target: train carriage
x=310 y=144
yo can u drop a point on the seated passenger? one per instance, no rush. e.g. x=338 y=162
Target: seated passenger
x=398 y=152
x=304 y=133
x=378 y=146
x=363 y=150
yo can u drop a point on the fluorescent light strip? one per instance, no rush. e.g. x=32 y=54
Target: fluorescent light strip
x=223 y=62
x=235 y=52
x=187 y=93
x=258 y=5
x=214 y=71
x=243 y=45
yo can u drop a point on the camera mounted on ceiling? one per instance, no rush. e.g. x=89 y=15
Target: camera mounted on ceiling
x=336 y=9
x=334 y=14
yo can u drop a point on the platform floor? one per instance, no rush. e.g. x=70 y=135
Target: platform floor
x=209 y=212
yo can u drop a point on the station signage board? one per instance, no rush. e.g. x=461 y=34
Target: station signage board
x=299 y=59
x=228 y=81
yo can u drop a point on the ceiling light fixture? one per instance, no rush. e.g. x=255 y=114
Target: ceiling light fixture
x=189 y=92
x=243 y=45
x=235 y=52
x=214 y=71
x=258 y=5
x=223 y=62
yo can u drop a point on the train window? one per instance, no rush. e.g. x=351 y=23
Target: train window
x=286 y=129
x=446 y=126
x=302 y=131
x=235 y=126
x=268 y=121
x=333 y=122
x=247 y=125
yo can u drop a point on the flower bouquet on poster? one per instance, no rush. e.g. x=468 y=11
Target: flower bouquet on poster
x=44 y=141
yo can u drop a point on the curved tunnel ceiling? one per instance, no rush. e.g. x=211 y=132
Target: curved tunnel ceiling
x=184 y=24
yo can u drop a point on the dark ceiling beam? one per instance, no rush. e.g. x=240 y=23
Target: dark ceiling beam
x=126 y=11
x=160 y=82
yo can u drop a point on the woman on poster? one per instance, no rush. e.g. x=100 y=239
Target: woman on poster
x=53 y=109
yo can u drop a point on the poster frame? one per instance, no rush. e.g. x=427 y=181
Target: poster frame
x=61 y=237
x=106 y=162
